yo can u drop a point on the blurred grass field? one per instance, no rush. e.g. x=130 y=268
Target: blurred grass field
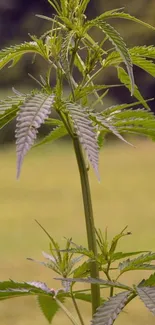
x=49 y=191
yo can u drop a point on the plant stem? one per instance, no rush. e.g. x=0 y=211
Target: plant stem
x=66 y=311
x=91 y=237
x=77 y=308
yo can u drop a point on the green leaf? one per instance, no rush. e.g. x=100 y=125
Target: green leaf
x=65 y=49
x=83 y=6
x=119 y=255
x=144 y=64
x=105 y=125
x=120 y=46
x=123 y=77
x=82 y=271
x=108 y=312
x=14 y=53
x=8 y=116
x=123 y=15
x=144 y=51
x=147 y=295
x=116 y=239
x=122 y=107
x=11 y=289
x=48 y=306
x=138 y=121
x=149 y=282
x=55 y=134
x=138 y=263
x=87 y=297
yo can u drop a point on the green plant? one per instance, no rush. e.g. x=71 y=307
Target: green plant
x=66 y=46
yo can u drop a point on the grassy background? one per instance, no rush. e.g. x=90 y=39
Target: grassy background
x=49 y=191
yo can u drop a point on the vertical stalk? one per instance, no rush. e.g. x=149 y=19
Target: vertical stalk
x=90 y=228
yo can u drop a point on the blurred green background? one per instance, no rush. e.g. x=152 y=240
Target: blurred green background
x=49 y=188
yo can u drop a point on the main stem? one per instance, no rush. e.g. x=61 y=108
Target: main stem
x=91 y=237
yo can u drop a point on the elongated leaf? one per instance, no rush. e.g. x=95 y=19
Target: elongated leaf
x=122 y=107
x=14 y=53
x=55 y=134
x=10 y=103
x=108 y=312
x=123 y=77
x=101 y=122
x=86 y=133
x=65 y=48
x=147 y=295
x=137 y=263
x=119 y=255
x=31 y=115
x=11 y=289
x=97 y=281
x=48 y=306
x=144 y=51
x=118 y=42
x=82 y=270
x=8 y=116
x=149 y=282
x=116 y=239
x=83 y=296
x=123 y=15
x=144 y=64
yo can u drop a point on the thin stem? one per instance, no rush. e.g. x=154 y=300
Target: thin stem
x=77 y=308
x=68 y=314
x=92 y=245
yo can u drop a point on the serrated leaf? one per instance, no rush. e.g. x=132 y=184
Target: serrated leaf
x=123 y=77
x=11 y=289
x=31 y=115
x=123 y=15
x=144 y=51
x=86 y=133
x=8 y=116
x=120 y=46
x=138 y=263
x=146 y=65
x=122 y=107
x=119 y=255
x=48 y=306
x=149 y=282
x=14 y=53
x=108 y=312
x=101 y=122
x=10 y=102
x=82 y=271
x=65 y=48
x=147 y=295
x=55 y=134
x=97 y=281
x=116 y=239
